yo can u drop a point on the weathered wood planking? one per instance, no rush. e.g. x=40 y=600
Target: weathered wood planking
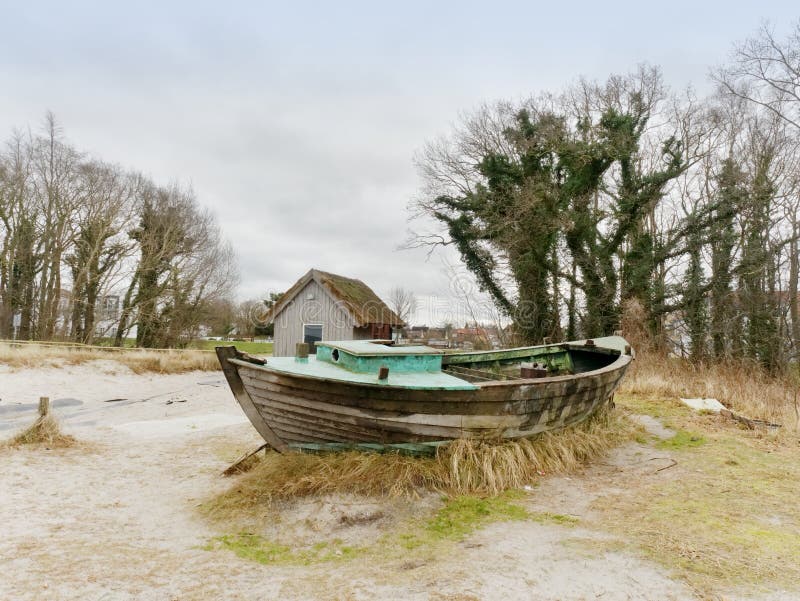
x=298 y=410
x=225 y=354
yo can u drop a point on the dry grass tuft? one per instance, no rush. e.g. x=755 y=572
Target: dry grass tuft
x=20 y=356
x=742 y=386
x=492 y=467
x=44 y=431
x=463 y=467
x=292 y=475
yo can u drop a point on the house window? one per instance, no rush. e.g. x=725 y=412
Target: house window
x=311 y=334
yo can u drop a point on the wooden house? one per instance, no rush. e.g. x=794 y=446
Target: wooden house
x=326 y=306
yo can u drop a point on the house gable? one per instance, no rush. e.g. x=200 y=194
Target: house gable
x=312 y=305
x=354 y=296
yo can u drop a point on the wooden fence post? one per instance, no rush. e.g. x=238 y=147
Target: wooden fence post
x=44 y=406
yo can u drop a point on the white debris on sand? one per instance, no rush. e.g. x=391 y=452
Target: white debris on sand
x=712 y=405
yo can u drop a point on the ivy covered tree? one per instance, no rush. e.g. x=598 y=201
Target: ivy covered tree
x=756 y=283
x=730 y=195
x=554 y=193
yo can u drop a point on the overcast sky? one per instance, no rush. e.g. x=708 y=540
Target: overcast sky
x=297 y=122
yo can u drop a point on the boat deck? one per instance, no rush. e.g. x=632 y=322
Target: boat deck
x=327 y=371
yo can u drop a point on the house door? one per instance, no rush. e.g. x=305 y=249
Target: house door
x=381 y=331
x=311 y=334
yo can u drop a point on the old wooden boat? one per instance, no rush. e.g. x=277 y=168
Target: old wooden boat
x=374 y=394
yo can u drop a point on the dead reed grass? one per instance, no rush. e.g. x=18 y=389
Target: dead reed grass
x=744 y=387
x=491 y=467
x=21 y=356
x=45 y=431
x=466 y=466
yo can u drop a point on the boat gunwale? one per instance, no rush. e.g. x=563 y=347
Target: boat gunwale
x=620 y=362
x=600 y=349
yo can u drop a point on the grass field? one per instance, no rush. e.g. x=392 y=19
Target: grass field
x=725 y=514
x=254 y=348
x=172 y=361
x=199 y=356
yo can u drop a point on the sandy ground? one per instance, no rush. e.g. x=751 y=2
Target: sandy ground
x=117 y=521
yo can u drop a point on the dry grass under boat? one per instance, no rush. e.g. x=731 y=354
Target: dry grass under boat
x=463 y=467
x=29 y=355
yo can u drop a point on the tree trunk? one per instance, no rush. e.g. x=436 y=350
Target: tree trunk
x=794 y=304
x=122 y=326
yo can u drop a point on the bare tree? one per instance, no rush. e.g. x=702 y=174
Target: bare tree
x=762 y=83
x=19 y=261
x=57 y=190
x=70 y=226
x=766 y=71
x=100 y=244
x=39 y=195
x=184 y=265
x=248 y=315
x=561 y=191
x=403 y=302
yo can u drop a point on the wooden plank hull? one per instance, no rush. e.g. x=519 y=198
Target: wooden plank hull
x=297 y=409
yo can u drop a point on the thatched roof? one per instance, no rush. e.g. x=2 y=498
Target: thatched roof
x=354 y=296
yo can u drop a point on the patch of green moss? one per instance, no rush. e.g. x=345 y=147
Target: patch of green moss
x=665 y=409
x=463 y=515
x=262 y=550
x=408 y=540
x=252 y=547
x=456 y=519
x=683 y=439
x=546 y=517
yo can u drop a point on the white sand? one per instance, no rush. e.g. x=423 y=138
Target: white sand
x=119 y=523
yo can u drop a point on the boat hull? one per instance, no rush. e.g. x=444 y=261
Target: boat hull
x=291 y=410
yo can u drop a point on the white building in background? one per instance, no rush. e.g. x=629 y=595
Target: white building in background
x=326 y=306
x=106 y=315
